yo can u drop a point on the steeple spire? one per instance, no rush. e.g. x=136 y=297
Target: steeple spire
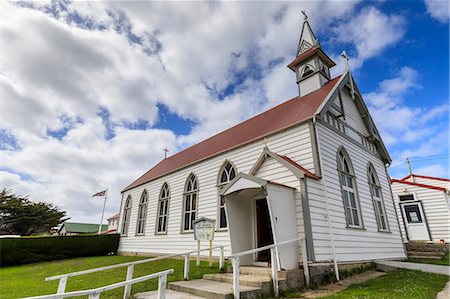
x=311 y=65
x=307 y=37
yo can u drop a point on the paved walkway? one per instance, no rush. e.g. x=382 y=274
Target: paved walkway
x=438 y=269
x=169 y=294
x=333 y=288
x=445 y=293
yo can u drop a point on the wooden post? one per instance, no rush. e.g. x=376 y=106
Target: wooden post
x=236 y=289
x=62 y=285
x=210 y=253
x=127 y=292
x=305 y=263
x=187 y=262
x=198 y=253
x=162 y=281
x=273 y=259
x=221 y=258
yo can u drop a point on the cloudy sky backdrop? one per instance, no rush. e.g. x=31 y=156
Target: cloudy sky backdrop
x=92 y=92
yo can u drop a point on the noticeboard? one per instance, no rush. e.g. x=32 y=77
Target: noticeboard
x=204 y=229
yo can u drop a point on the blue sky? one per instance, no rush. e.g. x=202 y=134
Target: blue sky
x=92 y=92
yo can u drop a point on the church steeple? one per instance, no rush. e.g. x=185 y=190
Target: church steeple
x=311 y=64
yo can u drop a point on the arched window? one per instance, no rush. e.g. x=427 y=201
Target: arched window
x=378 y=205
x=226 y=174
x=142 y=214
x=190 y=203
x=126 y=216
x=307 y=71
x=348 y=187
x=163 y=210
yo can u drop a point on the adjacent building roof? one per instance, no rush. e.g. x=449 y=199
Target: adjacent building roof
x=418 y=185
x=283 y=116
x=82 y=228
x=425 y=177
x=115 y=216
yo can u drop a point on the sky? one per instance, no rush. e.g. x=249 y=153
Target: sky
x=92 y=92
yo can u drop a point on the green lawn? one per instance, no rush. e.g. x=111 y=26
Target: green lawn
x=398 y=284
x=444 y=261
x=28 y=280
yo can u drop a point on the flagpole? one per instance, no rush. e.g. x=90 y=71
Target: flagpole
x=103 y=211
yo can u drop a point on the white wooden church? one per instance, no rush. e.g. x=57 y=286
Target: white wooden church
x=313 y=167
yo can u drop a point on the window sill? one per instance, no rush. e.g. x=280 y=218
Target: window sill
x=385 y=231
x=224 y=229
x=187 y=232
x=356 y=227
x=140 y=235
x=160 y=233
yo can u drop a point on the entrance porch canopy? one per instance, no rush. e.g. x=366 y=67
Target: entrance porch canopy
x=240 y=195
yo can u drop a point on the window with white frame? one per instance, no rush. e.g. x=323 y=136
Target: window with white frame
x=126 y=216
x=190 y=203
x=163 y=210
x=142 y=214
x=307 y=71
x=226 y=174
x=375 y=192
x=349 y=194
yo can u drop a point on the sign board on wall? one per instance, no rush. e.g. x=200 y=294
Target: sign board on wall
x=204 y=229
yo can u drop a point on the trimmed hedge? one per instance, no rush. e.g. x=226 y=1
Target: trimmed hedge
x=15 y=251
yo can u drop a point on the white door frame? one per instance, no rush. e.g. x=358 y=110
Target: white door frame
x=421 y=224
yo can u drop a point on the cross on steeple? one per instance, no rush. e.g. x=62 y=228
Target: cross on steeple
x=305 y=17
x=347 y=67
x=165 y=152
x=346 y=60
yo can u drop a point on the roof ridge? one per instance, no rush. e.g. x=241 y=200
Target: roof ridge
x=419 y=185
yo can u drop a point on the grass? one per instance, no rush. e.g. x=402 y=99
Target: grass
x=444 y=261
x=397 y=284
x=28 y=280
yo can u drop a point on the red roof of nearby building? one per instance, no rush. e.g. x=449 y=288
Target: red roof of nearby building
x=426 y=177
x=418 y=185
x=114 y=216
x=285 y=115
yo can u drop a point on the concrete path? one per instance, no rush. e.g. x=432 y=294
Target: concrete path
x=445 y=293
x=333 y=288
x=390 y=265
x=169 y=295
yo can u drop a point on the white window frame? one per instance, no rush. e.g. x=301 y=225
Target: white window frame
x=126 y=216
x=220 y=184
x=347 y=181
x=142 y=214
x=377 y=198
x=190 y=210
x=163 y=200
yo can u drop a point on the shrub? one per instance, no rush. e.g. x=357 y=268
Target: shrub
x=14 y=251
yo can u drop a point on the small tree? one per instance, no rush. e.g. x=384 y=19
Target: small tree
x=21 y=216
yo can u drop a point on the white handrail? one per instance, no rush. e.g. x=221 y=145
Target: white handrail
x=275 y=266
x=95 y=293
x=130 y=270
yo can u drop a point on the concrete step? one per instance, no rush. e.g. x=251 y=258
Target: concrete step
x=256 y=270
x=262 y=282
x=426 y=257
x=414 y=246
x=213 y=289
x=426 y=253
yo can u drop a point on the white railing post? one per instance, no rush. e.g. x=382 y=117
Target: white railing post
x=274 y=262
x=62 y=285
x=187 y=263
x=162 y=281
x=95 y=295
x=127 y=292
x=221 y=258
x=236 y=289
x=305 y=263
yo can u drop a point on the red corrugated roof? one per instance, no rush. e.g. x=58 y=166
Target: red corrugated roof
x=418 y=185
x=426 y=177
x=285 y=115
x=302 y=169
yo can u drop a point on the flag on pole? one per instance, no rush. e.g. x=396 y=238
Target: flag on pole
x=101 y=193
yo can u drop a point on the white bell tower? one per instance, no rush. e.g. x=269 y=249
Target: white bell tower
x=312 y=65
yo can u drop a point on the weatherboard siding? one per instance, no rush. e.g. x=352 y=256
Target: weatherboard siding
x=435 y=205
x=294 y=143
x=350 y=244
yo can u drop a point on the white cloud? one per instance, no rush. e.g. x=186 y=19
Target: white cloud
x=59 y=74
x=435 y=170
x=438 y=9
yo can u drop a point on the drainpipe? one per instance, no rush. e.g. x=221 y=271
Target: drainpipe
x=330 y=228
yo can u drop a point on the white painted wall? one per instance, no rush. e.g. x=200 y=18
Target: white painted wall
x=350 y=244
x=435 y=205
x=294 y=142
